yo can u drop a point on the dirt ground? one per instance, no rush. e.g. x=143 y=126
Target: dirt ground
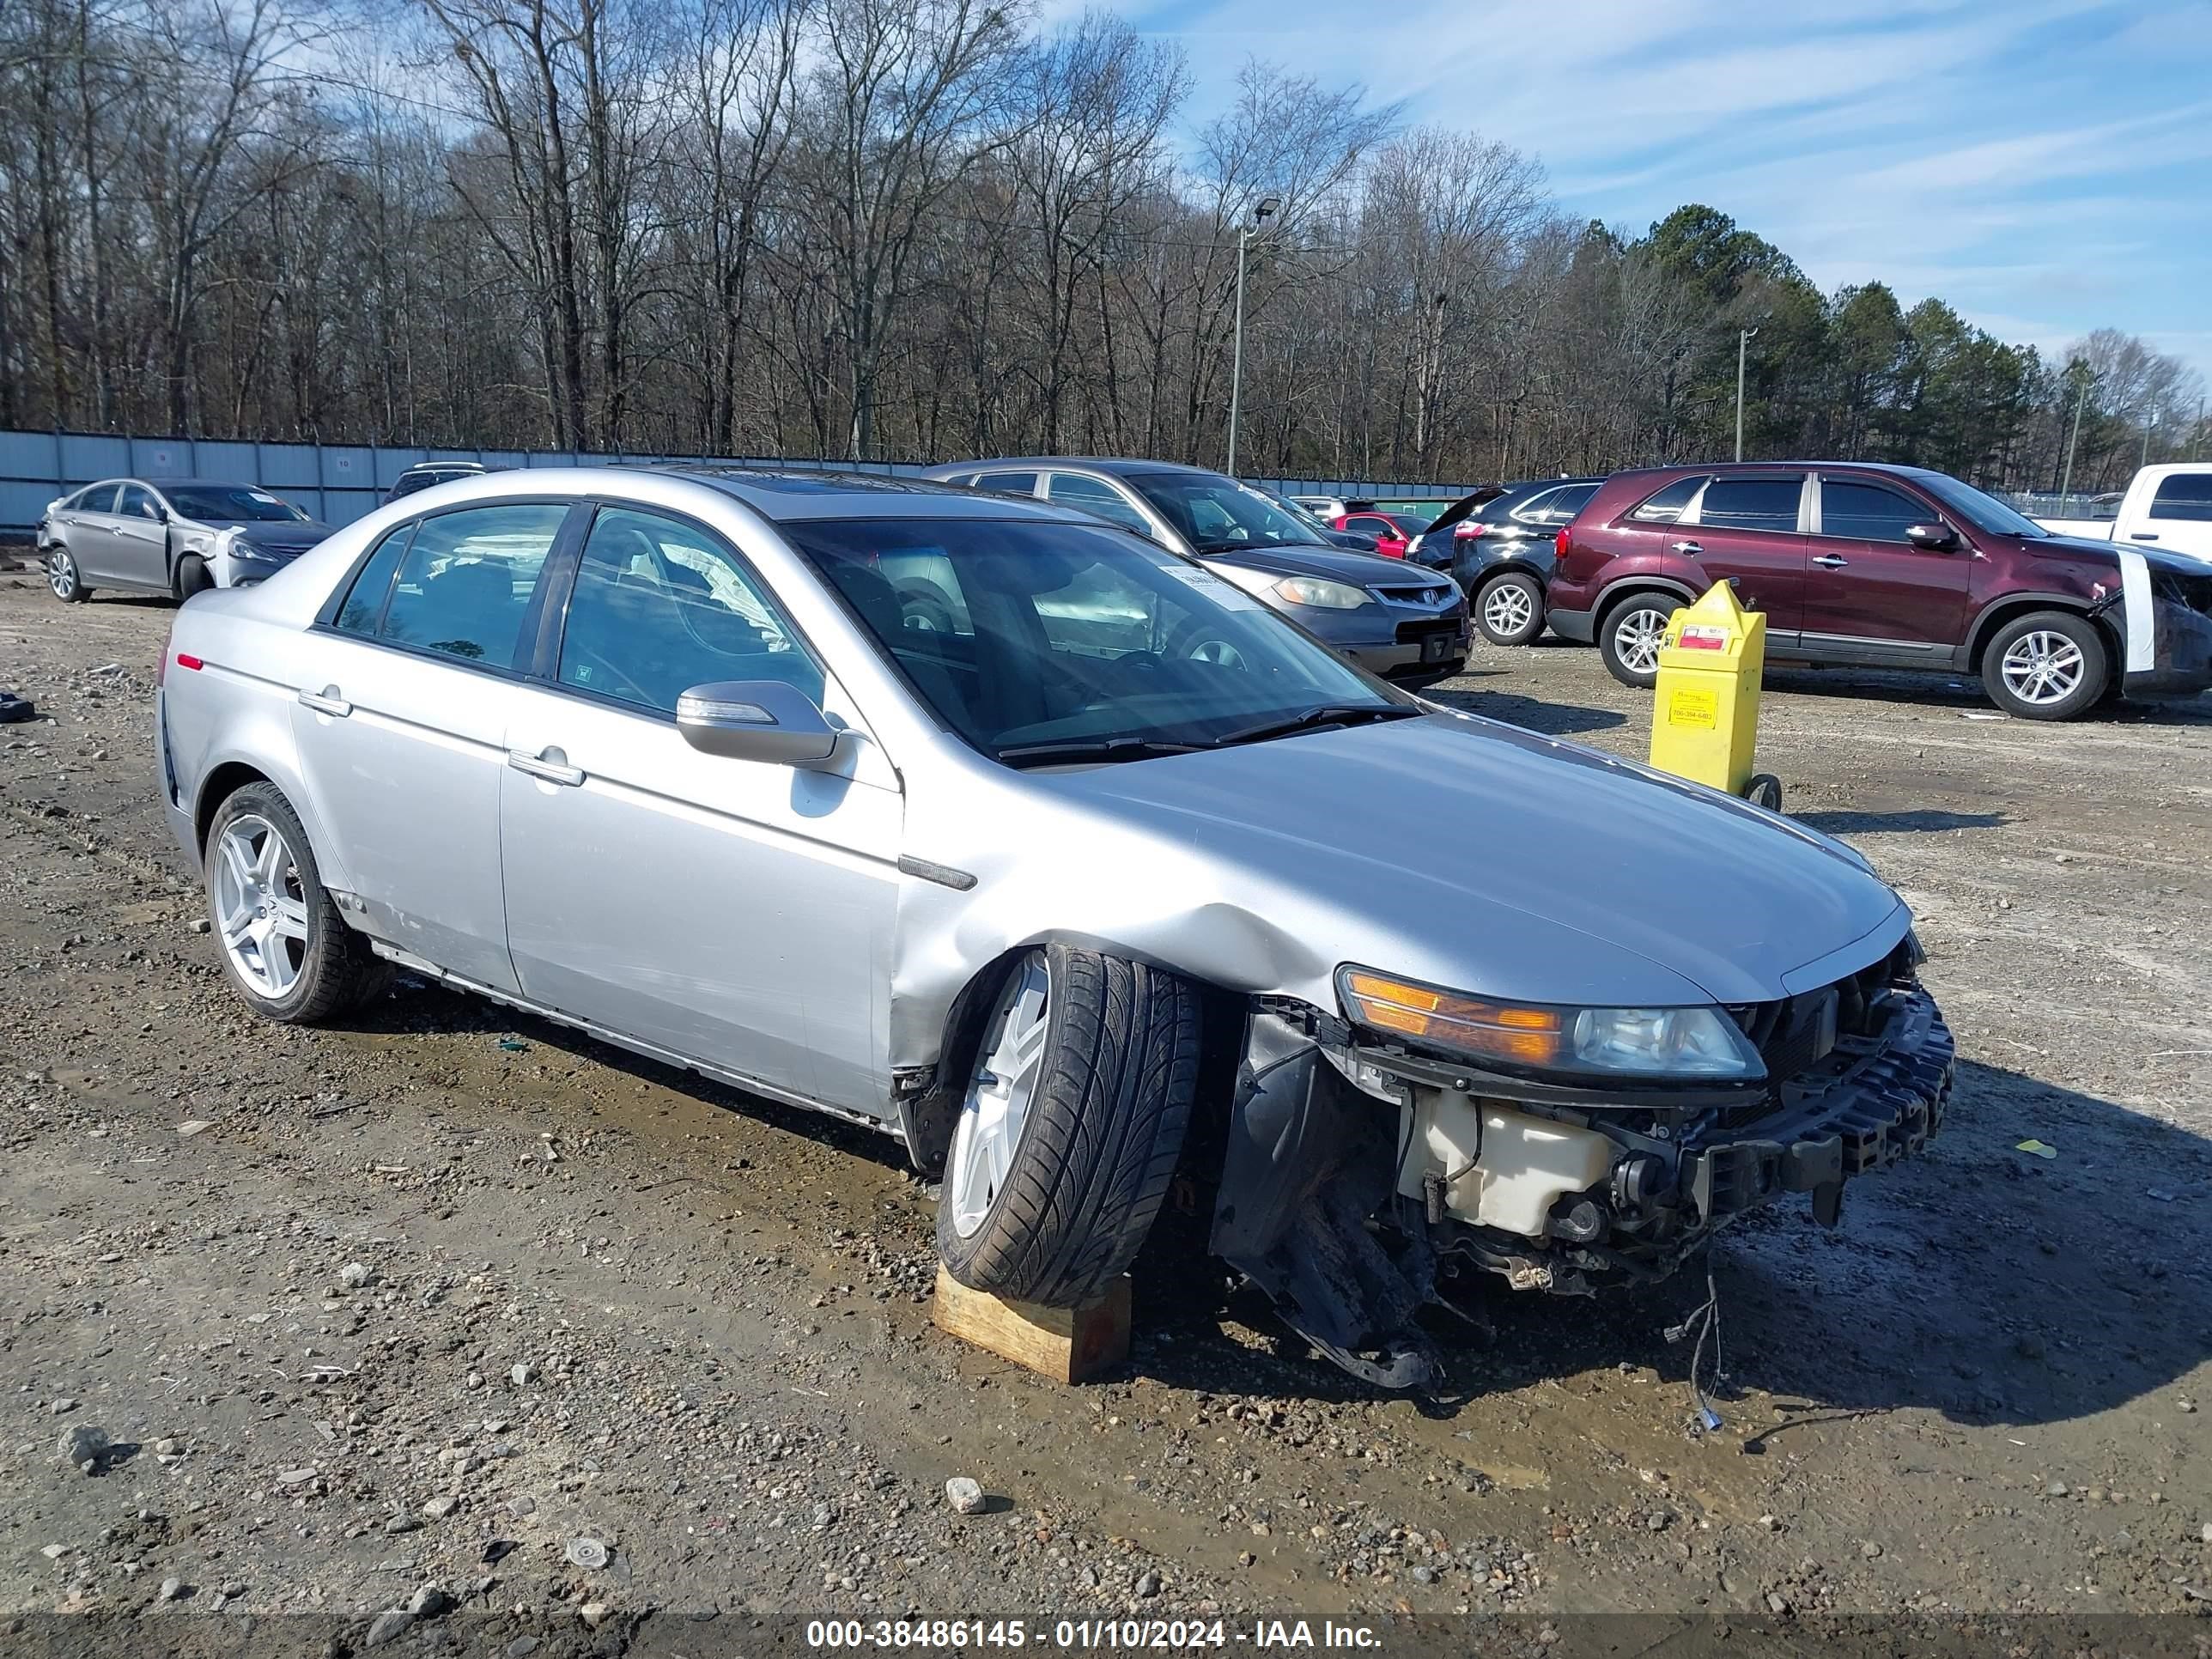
x=395 y=1312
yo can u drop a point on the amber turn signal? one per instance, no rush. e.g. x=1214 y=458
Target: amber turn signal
x=1527 y=1036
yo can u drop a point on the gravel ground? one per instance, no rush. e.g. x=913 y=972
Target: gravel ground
x=445 y=1313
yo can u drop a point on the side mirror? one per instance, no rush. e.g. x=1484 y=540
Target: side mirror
x=755 y=721
x=1932 y=537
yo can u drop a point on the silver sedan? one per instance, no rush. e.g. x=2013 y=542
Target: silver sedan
x=172 y=536
x=1054 y=889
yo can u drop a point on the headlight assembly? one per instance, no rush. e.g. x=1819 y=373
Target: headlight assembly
x=1662 y=1044
x=1323 y=595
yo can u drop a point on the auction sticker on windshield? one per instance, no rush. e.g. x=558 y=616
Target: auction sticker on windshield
x=1227 y=595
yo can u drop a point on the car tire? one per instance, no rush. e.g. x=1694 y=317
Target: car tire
x=1077 y=1099
x=1626 y=632
x=63 y=579
x=192 y=577
x=2047 y=666
x=1508 y=608
x=305 y=964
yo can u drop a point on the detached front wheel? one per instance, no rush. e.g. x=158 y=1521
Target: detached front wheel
x=1073 y=1120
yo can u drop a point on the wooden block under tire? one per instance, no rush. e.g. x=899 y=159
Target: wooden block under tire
x=1068 y=1344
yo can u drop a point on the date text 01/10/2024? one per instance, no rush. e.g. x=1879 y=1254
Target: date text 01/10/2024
x=1114 y=1634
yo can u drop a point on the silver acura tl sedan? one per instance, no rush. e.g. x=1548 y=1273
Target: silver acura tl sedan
x=1074 y=910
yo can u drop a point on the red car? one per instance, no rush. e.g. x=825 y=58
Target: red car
x=1883 y=567
x=1393 y=532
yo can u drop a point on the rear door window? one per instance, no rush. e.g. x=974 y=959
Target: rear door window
x=1667 y=506
x=1868 y=512
x=2184 y=496
x=363 y=610
x=1569 y=502
x=1767 y=502
x=1537 y=508
x=1007 y=483
x=466 y=581
x=1074 y=489
x=100 y=498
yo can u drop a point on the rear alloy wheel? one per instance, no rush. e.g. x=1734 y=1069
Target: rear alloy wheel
x=64 y=577
x=1629 y=638
x=1073 y=1120
x=2047 y=666
x=283 y=943
x=1509 y=609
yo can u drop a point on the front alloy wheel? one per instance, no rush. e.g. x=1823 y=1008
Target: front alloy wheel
x=62 y=578
x=998 y=1097
x=2048 y=665
x=1073 y=1119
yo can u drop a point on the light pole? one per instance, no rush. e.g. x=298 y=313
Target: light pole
x=2066 y=479
x=2149 y=420
x=1262 y=212
x=1743 y=340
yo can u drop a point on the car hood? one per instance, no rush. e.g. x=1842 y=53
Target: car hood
x=1300 y=559
x=291 y=536
x=1487 y=858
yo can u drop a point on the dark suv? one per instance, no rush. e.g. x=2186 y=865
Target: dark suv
x=1501 y=542
x=1883 y=567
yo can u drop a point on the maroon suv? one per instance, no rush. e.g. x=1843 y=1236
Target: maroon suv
x=1883 y=567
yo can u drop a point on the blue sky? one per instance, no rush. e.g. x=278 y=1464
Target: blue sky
x=2046 y=167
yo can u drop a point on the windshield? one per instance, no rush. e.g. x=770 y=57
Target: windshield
x=1061 y=637
x=232 y=504
x=1216 y=514
x=1984 y=511
x=1310 y=520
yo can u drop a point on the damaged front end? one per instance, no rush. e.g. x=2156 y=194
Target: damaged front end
x=1366 y=1175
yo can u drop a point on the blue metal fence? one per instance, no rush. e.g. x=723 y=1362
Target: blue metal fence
x=340 y=482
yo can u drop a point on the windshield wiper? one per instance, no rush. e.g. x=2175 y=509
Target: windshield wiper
x=1329 y=714
x=1075 y=751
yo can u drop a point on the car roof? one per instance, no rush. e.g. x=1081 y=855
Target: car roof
x=1119 y=465
x=784 y=494
x=1894 y=469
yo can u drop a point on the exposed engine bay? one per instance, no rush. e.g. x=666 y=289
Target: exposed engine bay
x=1365 y=1179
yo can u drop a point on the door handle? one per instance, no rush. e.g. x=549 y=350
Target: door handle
x=1831 y=562
x=2143 y=535
x=550 y=764
x=1692 y=549
x=326 y=701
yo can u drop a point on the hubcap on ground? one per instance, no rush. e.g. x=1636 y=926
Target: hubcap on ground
x=61 y=573
x=1637 y=637
x=999 y=1097
x=260 y=905
x=1507 y=608
x=2042 y=667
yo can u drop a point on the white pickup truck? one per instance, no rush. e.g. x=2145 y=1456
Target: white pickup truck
x=2168 y=506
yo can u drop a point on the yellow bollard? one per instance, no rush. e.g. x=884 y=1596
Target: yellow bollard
x=1705 y=725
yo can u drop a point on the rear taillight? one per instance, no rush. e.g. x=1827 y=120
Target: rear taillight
x=1560 y=543
x=1468 y=529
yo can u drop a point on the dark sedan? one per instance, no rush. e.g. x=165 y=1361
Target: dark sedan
x=1501 y=550
x=1408 y=625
